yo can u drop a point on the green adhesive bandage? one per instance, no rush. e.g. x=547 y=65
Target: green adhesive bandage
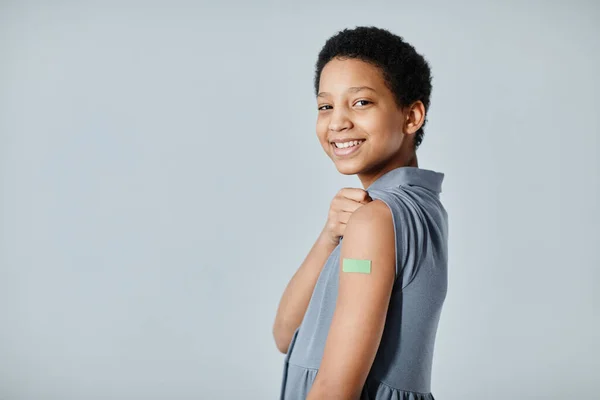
x=354 y=265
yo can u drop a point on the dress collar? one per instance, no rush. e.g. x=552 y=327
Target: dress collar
x=413 y=176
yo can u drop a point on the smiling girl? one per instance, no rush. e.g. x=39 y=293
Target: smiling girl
x=358 y=319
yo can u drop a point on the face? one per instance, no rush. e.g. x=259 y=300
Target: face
x=348 y=112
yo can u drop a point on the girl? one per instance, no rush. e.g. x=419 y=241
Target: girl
x=358 y=320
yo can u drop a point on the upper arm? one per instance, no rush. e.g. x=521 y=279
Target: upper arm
x=362 y=302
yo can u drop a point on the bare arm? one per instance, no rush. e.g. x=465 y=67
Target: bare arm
x=361 y=306
x=298 y=292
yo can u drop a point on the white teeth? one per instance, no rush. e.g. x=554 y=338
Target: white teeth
x=347 y=144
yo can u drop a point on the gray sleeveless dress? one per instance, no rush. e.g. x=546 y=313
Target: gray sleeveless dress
x=402 y=366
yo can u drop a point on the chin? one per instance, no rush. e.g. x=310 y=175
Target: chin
x=348 y=167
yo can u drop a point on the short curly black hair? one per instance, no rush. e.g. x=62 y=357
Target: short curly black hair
x=406 y=73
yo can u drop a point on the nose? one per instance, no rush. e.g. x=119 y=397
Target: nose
x=339 y=121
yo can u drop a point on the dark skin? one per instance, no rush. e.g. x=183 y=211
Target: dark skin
x=372 y=115
x=362 y=300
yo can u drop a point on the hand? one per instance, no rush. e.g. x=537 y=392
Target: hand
x=345 y=202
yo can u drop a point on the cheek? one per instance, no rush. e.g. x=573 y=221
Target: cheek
x=384 y=137
x=375 y=130
x=321 y=131
x=386 y=127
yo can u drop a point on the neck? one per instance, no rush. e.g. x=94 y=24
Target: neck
x=368 y=178
x=413 y=162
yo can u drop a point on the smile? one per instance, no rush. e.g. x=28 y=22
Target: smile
x=345 y=151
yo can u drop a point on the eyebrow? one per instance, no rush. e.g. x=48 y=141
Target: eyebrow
x=352 y=89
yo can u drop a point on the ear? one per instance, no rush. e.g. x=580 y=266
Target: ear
x=414 y=117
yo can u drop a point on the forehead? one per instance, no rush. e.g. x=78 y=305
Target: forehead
x=338 y=75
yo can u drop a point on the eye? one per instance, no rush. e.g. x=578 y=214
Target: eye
x=320 y=108
x=365 y=101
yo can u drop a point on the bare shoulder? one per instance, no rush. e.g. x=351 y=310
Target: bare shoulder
x=374 y=217
x=370 y=233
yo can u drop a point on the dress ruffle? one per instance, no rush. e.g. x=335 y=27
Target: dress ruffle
x=299 y=380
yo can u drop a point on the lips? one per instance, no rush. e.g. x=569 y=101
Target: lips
x=345 y=140
x=346 y=151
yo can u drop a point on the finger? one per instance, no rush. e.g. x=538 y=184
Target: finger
x=356 y=194
x=344 y=217
x=348 y=205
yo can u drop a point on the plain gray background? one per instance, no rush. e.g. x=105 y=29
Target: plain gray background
x=161 y=181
